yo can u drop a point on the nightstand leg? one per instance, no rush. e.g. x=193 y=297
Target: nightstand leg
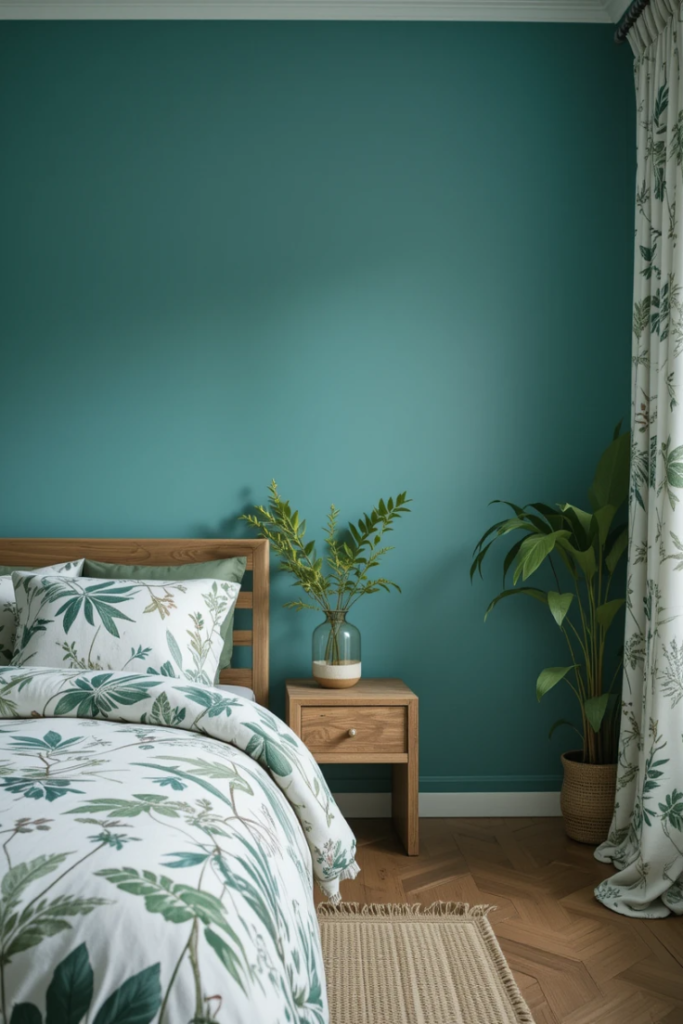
x=405 y=795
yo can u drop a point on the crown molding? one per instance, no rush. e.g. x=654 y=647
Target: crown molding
x=315 y=10
x=617 y=8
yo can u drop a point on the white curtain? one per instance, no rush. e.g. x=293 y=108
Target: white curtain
x=646 y=837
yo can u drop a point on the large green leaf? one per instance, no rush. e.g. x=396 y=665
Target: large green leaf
x=617 y=550
x=610 y=484
x=605 y=612
x=550 y=677
x=514 y=524
x=581 y=522
x=134 y=1002
x=510 y=557
x=568 y=561
x=603 y=519
x=539 y=595
x=70 y=992
x=534 y=551
x=542 y=525
x=584 y=559
x=594 y=709
x=517 y=509
x=559 y=605
x=553 y=516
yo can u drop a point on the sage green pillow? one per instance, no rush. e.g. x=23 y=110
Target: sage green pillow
x=230 y=570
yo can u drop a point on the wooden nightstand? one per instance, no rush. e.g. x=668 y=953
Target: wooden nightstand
x=375 y=722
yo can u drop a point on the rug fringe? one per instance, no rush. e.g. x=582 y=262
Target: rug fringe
x=522 y=1011
x=438 y=909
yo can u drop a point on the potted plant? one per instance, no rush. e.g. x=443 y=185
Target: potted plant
x=580 y=552
x=333 y=583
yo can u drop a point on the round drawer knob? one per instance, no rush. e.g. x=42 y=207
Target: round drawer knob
x=352 y=732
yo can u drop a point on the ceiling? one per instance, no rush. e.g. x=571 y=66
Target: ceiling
x=320 y=10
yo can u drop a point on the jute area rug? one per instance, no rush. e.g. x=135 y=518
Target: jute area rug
x=407 y=964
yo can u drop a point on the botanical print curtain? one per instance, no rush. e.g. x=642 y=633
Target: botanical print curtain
x=646 y=837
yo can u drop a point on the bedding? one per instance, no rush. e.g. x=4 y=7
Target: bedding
x=158 y=848
x=239 y=691
x=8 y=608
x=230 y=570
x=171 y=627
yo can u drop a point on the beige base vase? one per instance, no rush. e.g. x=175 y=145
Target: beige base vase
x=337 y=676
x=587 y=798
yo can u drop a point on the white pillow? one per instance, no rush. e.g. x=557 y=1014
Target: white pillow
x=170 y=627
x=8 y=608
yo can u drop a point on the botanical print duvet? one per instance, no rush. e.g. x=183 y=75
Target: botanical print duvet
x=158 y=843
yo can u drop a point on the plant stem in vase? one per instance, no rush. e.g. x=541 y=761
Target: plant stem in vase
x=336 y=652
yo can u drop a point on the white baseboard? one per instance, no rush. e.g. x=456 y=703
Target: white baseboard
x=455 y=805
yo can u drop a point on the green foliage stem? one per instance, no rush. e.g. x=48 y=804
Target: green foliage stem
x=345 y=574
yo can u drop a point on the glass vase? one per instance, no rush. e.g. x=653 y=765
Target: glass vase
x=336 y=652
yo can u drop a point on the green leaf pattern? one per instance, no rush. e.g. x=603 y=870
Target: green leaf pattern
x=190 y=823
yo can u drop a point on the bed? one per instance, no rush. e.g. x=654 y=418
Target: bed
x=159 y=837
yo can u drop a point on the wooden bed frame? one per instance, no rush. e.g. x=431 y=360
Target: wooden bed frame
x=37 y=552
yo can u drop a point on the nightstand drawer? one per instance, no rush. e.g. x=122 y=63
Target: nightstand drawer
x=354 y=730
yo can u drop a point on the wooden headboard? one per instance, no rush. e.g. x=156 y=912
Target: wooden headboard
x=37 y=552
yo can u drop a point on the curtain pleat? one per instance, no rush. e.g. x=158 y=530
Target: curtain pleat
x=646 y=837
x=652 y=23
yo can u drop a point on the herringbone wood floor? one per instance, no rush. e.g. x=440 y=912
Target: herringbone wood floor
x=575 y=961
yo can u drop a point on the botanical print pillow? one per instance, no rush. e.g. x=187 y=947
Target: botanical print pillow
x=8 y=608
x=171 y=628
x=230 y=570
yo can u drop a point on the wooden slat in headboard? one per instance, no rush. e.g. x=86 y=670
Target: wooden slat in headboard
x=39 y=551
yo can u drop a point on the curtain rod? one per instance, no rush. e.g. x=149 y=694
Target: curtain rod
x=629 y=19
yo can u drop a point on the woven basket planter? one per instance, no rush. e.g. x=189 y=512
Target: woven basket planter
x=587 y=798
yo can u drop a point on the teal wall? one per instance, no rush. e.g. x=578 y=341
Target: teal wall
x=358 y=258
